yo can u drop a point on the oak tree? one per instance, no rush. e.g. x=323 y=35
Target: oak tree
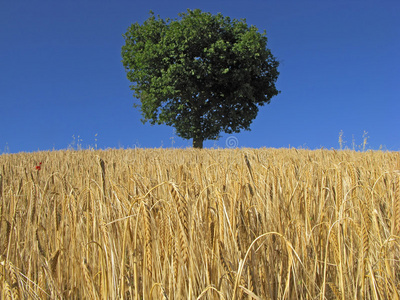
x=201 y=73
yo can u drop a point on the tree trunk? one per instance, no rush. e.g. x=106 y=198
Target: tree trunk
x=198 y=142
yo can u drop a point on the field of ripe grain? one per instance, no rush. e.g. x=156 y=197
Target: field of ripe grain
x=200 y=224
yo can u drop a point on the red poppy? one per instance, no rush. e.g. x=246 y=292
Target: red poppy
x=38 y=168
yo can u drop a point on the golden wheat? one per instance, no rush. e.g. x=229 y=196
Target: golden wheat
x=200 y=224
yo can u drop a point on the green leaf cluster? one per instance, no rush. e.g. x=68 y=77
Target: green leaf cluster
x=201 y=73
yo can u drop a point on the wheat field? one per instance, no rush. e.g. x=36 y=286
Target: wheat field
x=200 y=224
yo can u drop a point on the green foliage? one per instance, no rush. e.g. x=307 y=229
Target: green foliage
x=202 y=73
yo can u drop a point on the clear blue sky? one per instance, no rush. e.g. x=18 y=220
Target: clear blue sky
x=61 y=73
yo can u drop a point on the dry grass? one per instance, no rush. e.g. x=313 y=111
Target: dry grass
x=209 y=224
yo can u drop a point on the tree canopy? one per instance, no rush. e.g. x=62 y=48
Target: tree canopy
x=201 y=73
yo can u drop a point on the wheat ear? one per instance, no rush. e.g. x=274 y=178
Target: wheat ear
x=396 y=209
x=89 y=284
x=335 y=290
x=339 y=198
x=223 y=261
x=220 y=202
x=7 y=237
x=7 y=293
x=41 y=284
x=183 y=225
x=54 y=262
x=13 y=275
x=40 y=247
